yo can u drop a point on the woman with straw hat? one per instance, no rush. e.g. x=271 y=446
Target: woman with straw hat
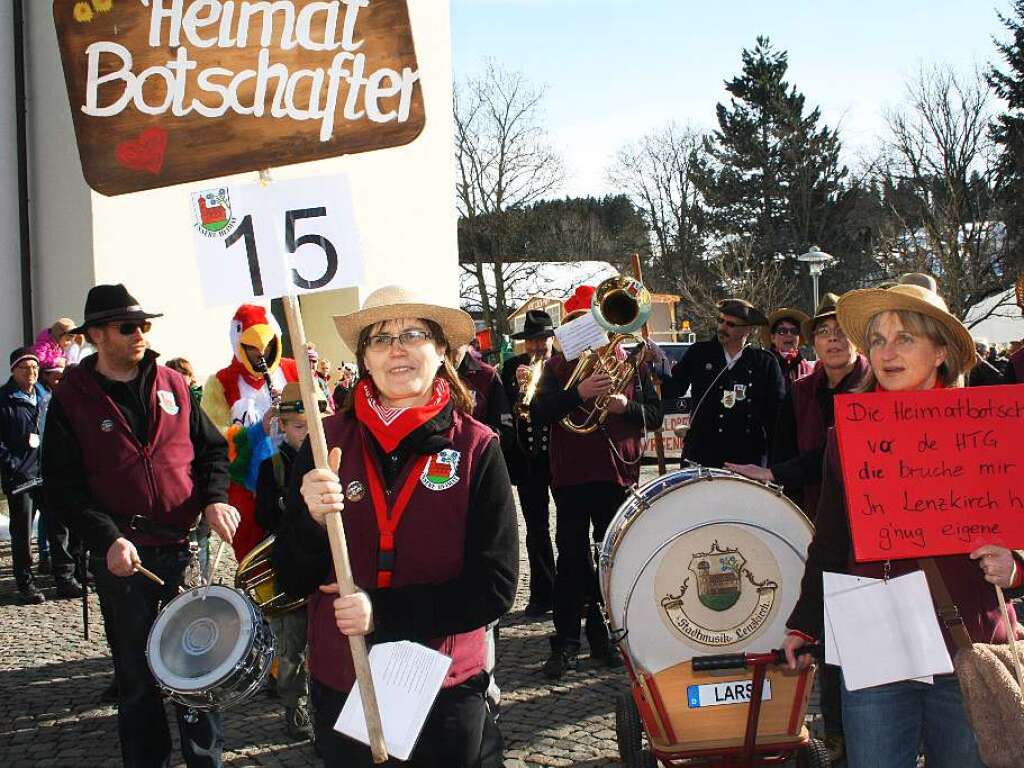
x=430 y=523
x=912 y=343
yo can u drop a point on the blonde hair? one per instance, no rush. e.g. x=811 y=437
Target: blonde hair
x=920 y=324
x=460 y=394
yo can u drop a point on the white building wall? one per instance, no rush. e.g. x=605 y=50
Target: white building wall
x=404 y=200
x=10 y=245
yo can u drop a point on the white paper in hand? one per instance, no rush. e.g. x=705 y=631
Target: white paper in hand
x=579 y=335
x=886 y=632
x=407 y=677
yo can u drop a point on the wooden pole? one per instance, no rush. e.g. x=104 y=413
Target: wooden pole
x=335 y=530
x=659 y=443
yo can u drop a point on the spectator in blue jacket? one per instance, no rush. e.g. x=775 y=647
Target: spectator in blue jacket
x=23 y=403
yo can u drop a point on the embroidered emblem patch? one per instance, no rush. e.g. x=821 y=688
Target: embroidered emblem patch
x=167 y=402
x=441 y=472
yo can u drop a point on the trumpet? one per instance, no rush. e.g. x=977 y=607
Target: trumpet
x=529 y=389
x=621 y=305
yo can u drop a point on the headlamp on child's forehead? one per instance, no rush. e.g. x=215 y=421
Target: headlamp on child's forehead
x=296 y=406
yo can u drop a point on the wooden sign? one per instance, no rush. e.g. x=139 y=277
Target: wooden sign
x=169 y=91
x=932 y=473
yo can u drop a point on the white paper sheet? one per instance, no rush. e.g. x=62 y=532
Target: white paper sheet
x=407 y=677
x=887 y=631
x=580 y=334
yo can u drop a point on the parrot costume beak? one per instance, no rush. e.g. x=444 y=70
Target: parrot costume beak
x=263 y=338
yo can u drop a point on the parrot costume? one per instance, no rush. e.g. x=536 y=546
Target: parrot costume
x=236 y=399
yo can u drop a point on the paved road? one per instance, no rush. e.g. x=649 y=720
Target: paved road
x=50 y=679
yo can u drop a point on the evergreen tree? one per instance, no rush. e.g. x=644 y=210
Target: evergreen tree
x=1008 y=130
x=772 y=174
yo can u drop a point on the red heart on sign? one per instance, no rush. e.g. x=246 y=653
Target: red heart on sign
x=146 y=153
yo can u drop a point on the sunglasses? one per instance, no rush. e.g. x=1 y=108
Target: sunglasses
x=786 y=331
x=731 y=324
x=129 y=328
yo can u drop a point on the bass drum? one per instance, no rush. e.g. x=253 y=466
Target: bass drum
x=702 y=561
x=210 y=648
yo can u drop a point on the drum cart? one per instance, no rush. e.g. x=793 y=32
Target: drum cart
x=671 y=745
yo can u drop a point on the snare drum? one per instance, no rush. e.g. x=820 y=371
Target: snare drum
x=210 y=648
x=702 y=561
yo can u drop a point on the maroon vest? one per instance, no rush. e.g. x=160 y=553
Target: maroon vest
x=578 y=459
x=428 y=549
x=124 y=477
x=480 y=382
x=811 y=429
x=1017 y=361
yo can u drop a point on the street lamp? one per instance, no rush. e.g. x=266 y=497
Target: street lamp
x=815 y=259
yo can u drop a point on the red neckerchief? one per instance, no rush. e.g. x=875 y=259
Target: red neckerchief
x=389 y=426
x=789 y=355
x=389 y=518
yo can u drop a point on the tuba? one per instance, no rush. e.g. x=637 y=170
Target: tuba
x=257 y=579
x=621 y=305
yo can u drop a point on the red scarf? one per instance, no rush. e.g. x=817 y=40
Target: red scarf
x=789 y=355
x=389 y=426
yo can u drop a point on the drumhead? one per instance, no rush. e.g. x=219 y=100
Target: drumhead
x=195 y=642
x=702 y=562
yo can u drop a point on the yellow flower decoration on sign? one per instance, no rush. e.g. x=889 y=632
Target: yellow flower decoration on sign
x=102 y=6
x=83 y=12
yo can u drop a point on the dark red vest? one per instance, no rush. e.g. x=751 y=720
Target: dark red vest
x=811 y=427
x=429 y=544
x=1017 y=361
x=578 y=459
x=480 y=383
x=124 y=477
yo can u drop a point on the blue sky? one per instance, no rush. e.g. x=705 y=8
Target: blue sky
x=616 y=69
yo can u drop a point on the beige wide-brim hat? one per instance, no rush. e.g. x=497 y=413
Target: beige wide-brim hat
x=856 y=309
x=795 y=315
x=393 y=302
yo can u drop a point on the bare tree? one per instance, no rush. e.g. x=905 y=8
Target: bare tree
x=734 y=271
x=937 y=170
x=504 y=162
x=655 y=172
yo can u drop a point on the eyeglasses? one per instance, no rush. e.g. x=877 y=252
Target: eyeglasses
x=129 y=328
x=786 y=331
x=406 y=339
x=731 y=324
x=825 y=332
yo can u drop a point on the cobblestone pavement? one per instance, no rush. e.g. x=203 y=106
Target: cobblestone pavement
x=50 y=680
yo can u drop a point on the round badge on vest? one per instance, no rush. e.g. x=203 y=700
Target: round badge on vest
x=107 y=425
x=355 y=491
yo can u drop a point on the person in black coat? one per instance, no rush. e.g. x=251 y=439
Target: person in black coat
x=736 y=391
x=527 y=458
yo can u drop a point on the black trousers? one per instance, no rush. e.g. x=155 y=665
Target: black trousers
x=21 y=507
x=64 y=549
x=459 y=732
x=130 y=606
x=533 y=499
x=583 y=513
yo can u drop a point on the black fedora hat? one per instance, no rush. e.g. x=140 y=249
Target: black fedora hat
x=536 y=325
x=109 y=303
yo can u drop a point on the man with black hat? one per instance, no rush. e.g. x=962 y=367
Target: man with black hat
x=735 y=391
x=527 y=456
x=130 y=464
x=23 y=404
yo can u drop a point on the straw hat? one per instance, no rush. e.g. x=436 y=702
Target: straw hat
x=393 y=302
x=856 y=308
x=826 y=308
x=781 y=313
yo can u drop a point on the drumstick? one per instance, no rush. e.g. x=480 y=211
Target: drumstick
x=336 y=535
x=149 y=574
x=213 y=568
x=1011 y=635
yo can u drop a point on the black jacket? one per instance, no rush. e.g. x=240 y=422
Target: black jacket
x=272 y=487
x=526 y=452
x=732 y=411
x=19 y=420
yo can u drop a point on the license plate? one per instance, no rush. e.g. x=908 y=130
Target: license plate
x=717 y=694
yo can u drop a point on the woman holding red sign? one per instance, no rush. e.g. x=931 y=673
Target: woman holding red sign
x=430 y=523
x=912 y=343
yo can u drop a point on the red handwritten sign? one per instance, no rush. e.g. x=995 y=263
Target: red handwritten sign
x=932 y=473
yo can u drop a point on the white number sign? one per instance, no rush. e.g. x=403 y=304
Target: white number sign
x=262 y=242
